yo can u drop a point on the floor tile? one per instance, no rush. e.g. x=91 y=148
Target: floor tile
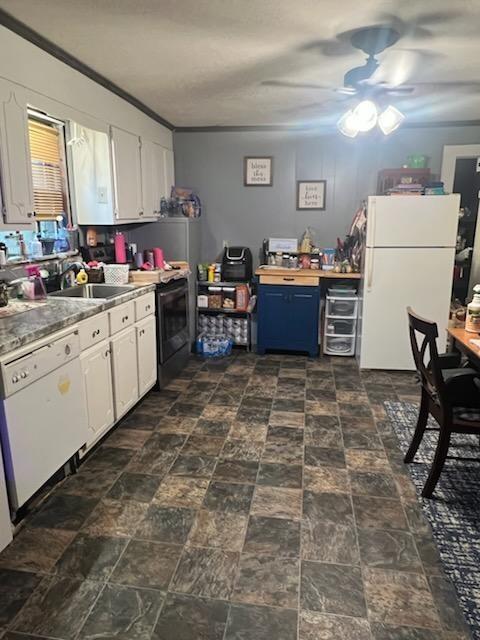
x=90 y=557
x=58 y=607
x=206 y=572
x=329 y=542
x=325 y=480
x=280 y=475
x=15 y=589
x=361 y=460
x=321 y=626
x=330 y=588
x=243 y=471
x=147 y=564
x=115 y=518
x=35 y=549
x=242 y=450
x=123 y=613
x=320 y=408
x=448 y=610
x=134 y=486
x=287 y=405
x=394 y=550
x=399 y=598
x=324 y=457
x=232 y=497
x=149 y=460
x=248 y=431
x=186 y=409
x=387 y=632
x=372 y=483
x=180 y=491
x=265 y=580
x=128 y=438
x=219 y=412
x=255 y=416
x=90 y=482
x=273 y=536
x=218 y=529
x=379 y=513
x=248 y=622
x=175 y=424
x=277 y=502
x=63 y=511
x=109 y=458
x=327 y=507
x=193 y=466
x=202 y=446
x=287 y=418
x=166 y=524
x=207 y=427
x=283 y=452
x=191 y=618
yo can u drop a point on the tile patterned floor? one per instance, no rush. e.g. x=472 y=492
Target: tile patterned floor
x=257 y=498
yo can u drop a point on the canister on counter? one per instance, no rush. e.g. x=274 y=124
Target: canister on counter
x=315 y=263
x=215 y=297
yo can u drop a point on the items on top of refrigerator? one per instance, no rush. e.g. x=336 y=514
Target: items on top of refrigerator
x=472 y=323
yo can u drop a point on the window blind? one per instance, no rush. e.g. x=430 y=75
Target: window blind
x=47 y=170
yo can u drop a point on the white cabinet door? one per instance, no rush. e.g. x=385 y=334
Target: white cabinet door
x=169 y=171
x=97 y=380
x=15 y=159
x=157 y=176
x=146 y=354
x=127 y=174
x=125 y=372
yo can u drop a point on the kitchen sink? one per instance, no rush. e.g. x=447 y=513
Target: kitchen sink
x=93 y=291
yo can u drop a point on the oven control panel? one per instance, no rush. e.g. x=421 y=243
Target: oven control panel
x=17 y=373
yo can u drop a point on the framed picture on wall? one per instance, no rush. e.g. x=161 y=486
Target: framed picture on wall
x=311 y=194
x=258 y=171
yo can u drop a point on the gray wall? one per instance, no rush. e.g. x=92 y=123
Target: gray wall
x=212 y=164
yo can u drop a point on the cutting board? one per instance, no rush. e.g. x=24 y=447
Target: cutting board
x=158 y=275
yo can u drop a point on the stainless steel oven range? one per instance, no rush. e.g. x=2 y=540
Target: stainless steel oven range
x=173 y=334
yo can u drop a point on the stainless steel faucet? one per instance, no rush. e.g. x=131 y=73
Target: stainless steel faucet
x=73 y=266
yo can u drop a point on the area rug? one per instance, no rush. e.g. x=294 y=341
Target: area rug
x=454 y=513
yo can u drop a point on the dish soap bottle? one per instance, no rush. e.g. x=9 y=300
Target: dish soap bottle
x=472 y=323
x=82 y=277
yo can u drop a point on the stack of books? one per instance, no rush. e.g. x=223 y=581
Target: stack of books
x=410 y=189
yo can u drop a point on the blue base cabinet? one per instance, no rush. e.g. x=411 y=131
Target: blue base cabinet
x=287 y=318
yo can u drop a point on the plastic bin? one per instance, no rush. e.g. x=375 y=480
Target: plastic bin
x=339 y=345
x=341 y=307
x=339 y=327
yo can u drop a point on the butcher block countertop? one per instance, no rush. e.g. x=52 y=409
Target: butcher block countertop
x=307 y=273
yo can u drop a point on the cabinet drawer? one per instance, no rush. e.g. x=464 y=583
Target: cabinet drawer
x=144 y=306
x=305 y=281
x=121 y=317
x=93 y=330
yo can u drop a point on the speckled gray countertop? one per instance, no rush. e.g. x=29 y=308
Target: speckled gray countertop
x=56 y=314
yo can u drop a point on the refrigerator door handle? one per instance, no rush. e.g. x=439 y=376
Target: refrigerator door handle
x=370 y=269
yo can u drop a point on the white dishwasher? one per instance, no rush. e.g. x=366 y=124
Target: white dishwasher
x=43 y=421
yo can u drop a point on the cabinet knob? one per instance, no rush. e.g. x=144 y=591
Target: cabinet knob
x=148 y=307
x=125 y=318
x=107 y=353
x=140 y=213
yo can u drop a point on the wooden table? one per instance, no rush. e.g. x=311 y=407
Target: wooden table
x=461 y=342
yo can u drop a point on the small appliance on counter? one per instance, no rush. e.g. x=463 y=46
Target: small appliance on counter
x=237 y=264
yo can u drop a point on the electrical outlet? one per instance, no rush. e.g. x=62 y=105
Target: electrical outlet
x=102 y=195
x=225 y=244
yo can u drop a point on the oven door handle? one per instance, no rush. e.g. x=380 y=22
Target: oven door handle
x=174 y=292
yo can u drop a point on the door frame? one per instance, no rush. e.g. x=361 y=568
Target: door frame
x=451 y=153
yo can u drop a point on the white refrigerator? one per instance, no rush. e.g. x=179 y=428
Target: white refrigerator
x=408 y=261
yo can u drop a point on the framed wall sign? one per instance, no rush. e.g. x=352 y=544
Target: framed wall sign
x=311 y=194
x=258 y=171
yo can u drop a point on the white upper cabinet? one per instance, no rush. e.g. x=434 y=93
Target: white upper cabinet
x=157 y=176
x=127 y=174
x=16 y=170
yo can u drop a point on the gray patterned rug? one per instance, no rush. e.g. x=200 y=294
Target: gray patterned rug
x=454 y=512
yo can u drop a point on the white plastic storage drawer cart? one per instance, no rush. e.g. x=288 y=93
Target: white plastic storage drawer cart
x=340 y=323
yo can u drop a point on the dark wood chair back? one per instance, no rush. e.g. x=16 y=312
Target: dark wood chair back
x=423 y=336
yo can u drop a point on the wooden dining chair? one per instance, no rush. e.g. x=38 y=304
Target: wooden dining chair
x=450 y=394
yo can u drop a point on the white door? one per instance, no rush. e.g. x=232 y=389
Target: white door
x=127 y=174
x=412 y=221
x=15 y=159
x=5 y=524
x=97 y=379
x=169 y=171
x=146 y=354
x=125 y=372
x=394 y=280
x=153 y=177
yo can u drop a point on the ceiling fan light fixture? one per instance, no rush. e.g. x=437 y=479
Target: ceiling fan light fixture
x=366 y=115
x=347 y=125
x=390 y=119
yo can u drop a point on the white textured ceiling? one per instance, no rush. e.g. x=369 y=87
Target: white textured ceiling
x=202 y=62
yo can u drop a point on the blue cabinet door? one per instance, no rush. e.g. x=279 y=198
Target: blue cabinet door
x=288 y=318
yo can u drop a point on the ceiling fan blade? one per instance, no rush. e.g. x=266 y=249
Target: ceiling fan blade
x=294 y=85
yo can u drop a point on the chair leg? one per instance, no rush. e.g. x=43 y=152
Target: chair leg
x=437 y=464
x=419 y=429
